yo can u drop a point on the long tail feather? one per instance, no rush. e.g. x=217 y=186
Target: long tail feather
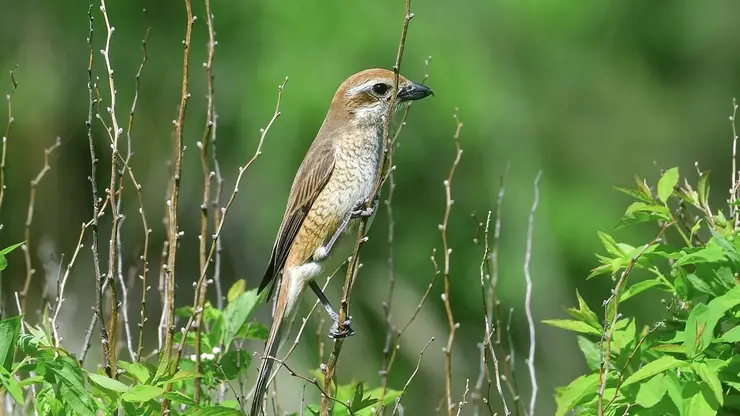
x=272 y=345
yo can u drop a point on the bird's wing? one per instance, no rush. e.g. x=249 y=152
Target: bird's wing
x=311 y=178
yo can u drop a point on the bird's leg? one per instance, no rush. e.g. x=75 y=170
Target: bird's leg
x=357 y=212
x=334 y=332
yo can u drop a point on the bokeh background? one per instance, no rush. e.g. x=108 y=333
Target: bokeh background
x=591 y=92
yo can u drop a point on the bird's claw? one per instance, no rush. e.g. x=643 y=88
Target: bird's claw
x=360 y=211
x=346 y=330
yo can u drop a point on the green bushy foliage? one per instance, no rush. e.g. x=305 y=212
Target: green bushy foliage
x=29 y=357
x=687 y=363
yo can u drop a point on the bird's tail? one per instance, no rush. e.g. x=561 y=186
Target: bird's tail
x=272 y=345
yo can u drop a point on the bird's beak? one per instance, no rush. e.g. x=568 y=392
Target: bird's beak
x=413 y=91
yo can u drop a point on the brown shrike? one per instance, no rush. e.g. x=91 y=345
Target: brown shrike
x=327 y=200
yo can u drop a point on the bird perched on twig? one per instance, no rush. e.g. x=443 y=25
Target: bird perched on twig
x=328 y=199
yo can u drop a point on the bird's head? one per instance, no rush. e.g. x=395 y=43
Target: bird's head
x=366 y=95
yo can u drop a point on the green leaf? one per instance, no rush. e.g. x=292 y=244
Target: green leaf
x=710 y=377
x=238 y=312
x=640 y=287
x=703 y=187
x=137 y=371
x=9 y=331
x=180 y=375
x=731 y=336
x=584 y=313
x=591 y=352
x=699 y=400
x=6 y=250
x=108 y=383
x=700 y=285
x=568 y=397
x=651 y=391
x=233 y=363
x=666 y=184
x=704 y=318
x=236 y=290
x=254 y=330
x=165 y=367
x=712 y=253
x=142 y=393
x=215 y=411
x=177 y=397
x=11 y=385
x=652 y=368
x=376 y=393
x=572 y=325
x=71 y=384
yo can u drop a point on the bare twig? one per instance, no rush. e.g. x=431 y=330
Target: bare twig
x=29 y=220
x=308 y=380
x=207 y=176
x=608 y=334
x=446 y=251
x=464 y=400
x=411 y=377
x=100 y=286
x=63 y=282
x=488 y=300
x=361 y=238
x=509 y=375
x=388 y=352
x=528 y=294
x=219 y=229
x=172 y=202
x=629 y=360
x=3 y=155
x=735 y=186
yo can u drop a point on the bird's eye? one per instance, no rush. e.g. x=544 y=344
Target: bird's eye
x=381 y=88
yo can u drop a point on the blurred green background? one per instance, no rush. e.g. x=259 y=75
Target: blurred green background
x=591 y=92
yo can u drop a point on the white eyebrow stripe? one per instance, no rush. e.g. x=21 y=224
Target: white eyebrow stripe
x=361 y=87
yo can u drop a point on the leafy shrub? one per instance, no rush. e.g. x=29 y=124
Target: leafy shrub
x=687 y=363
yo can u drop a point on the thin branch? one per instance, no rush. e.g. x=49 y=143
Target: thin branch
x=361 y=238
x=100 y=286
x=172 y=202
x=63 y=282
x=4 y=153
x=217 y=235
x=29 y=220
x=114 y=133
x=207 y=176
x=411 y=377
x=608 y=334
x=137 y=187
x=388 y=352
x=734 y=196
x=528 y=294
x=446 y=251
x=464 y=400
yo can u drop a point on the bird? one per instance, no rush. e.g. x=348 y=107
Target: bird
x=328 y=199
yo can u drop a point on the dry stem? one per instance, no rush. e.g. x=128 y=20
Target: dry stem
x=528 y=294
x=172 y=202
x=207 y=176
x=29 y=220
x=219 y=229
x=3 y=155
x=361 y=238
x=446 y=251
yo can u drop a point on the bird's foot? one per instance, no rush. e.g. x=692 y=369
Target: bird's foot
x=336 y=332
x=359 y=209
